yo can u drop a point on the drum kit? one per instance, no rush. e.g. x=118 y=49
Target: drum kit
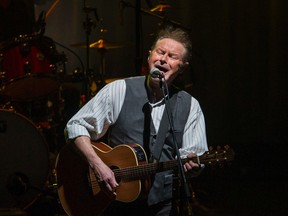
x=32 y=111
x=32 y=114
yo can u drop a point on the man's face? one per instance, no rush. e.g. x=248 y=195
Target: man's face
x=167 y=56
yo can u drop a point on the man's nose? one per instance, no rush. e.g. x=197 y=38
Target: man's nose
x=163 y=58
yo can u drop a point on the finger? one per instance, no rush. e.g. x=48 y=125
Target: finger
x=185 y=169
x=188 y=166
x=192 y=164
x=108 y=186
x=111 y=187
x=113 y=183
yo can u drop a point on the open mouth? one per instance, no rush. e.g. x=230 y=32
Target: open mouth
x=163 y=69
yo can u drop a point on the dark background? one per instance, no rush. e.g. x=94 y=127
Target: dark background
x=238 y=74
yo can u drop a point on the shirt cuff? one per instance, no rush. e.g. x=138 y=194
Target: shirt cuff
x=75 y=131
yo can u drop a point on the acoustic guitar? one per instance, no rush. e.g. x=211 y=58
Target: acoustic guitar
x=81 y=194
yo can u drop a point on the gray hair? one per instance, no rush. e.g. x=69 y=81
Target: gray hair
x=176 y=34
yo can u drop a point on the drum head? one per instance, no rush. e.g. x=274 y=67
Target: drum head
x=24 y=159
x=31 y=87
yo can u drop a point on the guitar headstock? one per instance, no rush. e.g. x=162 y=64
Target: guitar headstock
x=218 y=155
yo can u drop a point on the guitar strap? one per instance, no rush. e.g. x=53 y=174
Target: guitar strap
x=180 y=104
x=163 y=129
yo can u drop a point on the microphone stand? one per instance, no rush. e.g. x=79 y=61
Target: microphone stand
x=185 y=194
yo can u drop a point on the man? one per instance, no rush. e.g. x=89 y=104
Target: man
x=131 y=111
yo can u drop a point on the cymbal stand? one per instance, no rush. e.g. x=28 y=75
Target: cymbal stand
x=88 y=25
x=102 y=52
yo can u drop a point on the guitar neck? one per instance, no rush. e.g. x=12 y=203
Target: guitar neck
x=135 y=172
x=131 y=173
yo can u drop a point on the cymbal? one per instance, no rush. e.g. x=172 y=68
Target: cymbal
x=100 y=44
x=160 y=7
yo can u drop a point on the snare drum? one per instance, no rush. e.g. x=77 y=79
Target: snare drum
x=29 y=66
x=24 y=159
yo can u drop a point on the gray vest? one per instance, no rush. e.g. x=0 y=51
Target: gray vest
x=135 y=126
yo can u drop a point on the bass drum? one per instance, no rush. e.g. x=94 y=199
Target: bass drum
x=24 y=159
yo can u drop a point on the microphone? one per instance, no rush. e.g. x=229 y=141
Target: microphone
x=155 y=73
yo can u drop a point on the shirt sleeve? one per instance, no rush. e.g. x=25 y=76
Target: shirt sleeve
x=94 y=118
x=194 y=137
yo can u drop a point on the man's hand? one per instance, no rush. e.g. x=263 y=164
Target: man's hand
x=105 y=175
x=190 y=164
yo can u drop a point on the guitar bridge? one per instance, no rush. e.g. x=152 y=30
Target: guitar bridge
x=93 y=183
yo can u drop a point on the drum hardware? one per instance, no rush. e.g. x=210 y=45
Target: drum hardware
x=161 y=7
x=88 y=25
x=53 y=180
x=97 y=80
x=7 y=106
x=18 y=184
x=2 y=76
x=93 y=81
x=24 y=49
x=20 y=39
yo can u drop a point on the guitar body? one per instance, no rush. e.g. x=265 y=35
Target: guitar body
x=80 y=193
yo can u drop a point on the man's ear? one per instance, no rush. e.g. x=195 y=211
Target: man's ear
x=149 y=55
x=184 y=67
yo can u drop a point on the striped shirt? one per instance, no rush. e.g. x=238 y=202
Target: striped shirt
x=95 y=117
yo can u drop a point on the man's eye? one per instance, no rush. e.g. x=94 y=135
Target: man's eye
x=174 y=57
x=160 y=52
